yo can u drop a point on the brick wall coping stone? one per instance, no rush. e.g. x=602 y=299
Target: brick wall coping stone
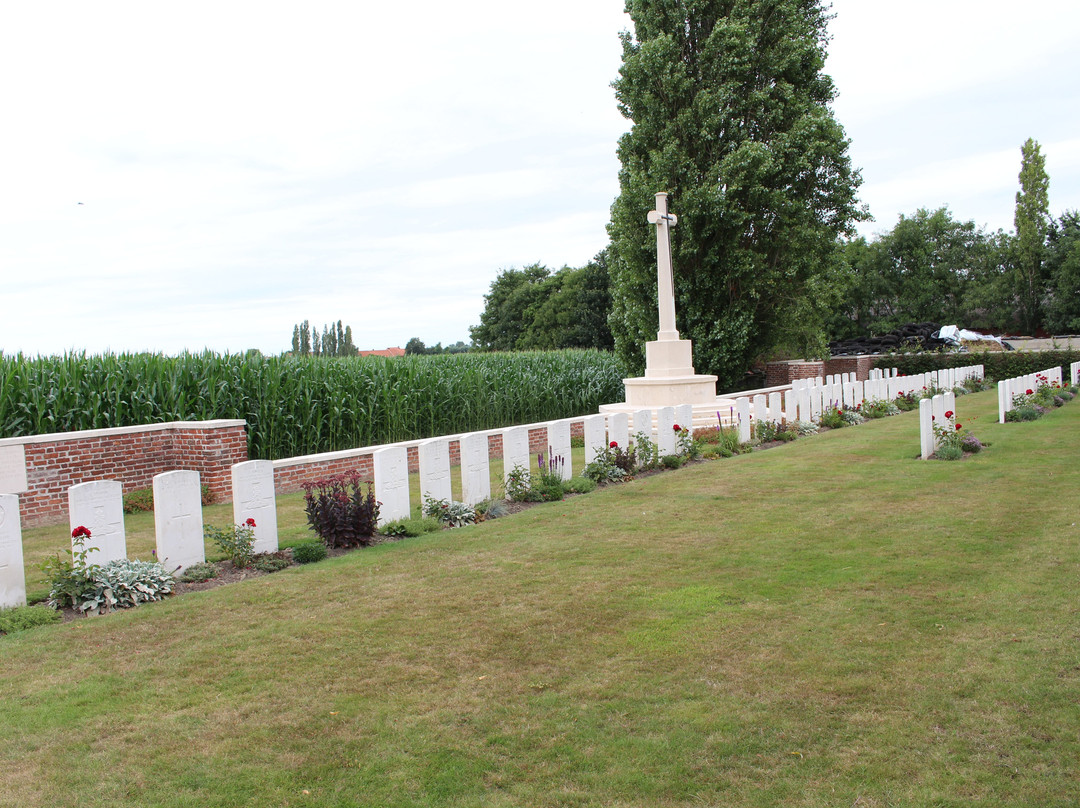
x=90 y=434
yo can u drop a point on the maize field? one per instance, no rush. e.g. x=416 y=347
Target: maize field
x=305 y=405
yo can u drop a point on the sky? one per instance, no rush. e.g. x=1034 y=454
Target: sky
x=208 y=174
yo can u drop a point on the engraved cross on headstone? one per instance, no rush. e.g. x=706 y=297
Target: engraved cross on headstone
x=665 y=281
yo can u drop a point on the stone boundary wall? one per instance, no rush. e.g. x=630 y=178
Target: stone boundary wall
x=41 y=468
x=291 y=473
x=778 y=374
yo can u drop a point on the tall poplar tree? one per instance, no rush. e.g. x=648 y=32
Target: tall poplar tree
x=731 y=116
x=1032 y=220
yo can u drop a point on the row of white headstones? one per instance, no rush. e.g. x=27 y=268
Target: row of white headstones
x=98 y=505
x=809 y=398
x=1010 y=389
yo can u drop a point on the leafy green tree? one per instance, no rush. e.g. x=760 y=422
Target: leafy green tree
x=1032 y=220
x=415 y=346
x=296 y=339
x=570 y=310
x=503 y=322
x=305 y=338
x=731 y=115
x=1063 y=266
x=929 y=267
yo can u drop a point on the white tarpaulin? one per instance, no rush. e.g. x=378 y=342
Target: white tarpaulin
x=951 y=333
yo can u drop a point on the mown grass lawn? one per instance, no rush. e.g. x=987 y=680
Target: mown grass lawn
x=829 y=623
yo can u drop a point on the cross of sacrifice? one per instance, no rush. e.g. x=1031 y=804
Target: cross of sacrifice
x=665 y=281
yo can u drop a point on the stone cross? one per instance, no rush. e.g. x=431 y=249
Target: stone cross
x=665 y=281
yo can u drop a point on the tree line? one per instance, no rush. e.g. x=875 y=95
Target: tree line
x=335 y=340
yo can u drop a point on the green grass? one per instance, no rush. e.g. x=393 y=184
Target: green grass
x=829 y=623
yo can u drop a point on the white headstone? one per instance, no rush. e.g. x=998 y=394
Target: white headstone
x=558 y=453
x=619 y=429
x=949 y=399
x=253 y=498
x=642 y=423
x=665 y=430
x=761 y=409
x=926 y=428
x=742 y=408
x=791 y=407
x=13 y=469
x=390 y=467
x=178 y=520
x=475 y=468
x=12 y=573
x=99 y=507
x=803 y=401
x=938 y=410
x=516 y=453
x=776 y=411
x=595 y=430
x=434 y=459
x=684 y=416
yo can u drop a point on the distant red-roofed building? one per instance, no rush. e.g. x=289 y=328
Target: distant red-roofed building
x=385 y=352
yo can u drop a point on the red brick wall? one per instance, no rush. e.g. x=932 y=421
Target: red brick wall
x=778 y=374
x=291 y=474
x=859 y=365
x=131 y=455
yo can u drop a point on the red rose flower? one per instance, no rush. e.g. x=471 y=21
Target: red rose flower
x=80 y=531
x=676 y=427
x=948 y=413
x=958 y=427
x=250 y=522
x=1030 y=391
x=613 y=445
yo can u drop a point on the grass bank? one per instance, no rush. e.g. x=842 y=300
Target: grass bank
x=827 y=623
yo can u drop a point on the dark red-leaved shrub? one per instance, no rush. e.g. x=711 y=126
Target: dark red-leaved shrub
x=340 y=512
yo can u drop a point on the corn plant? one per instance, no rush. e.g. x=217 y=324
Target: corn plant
x=303 y=405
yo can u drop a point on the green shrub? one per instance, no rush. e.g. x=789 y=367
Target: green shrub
x=339 y=511
x=309 y=552
x=271 y=562
x=612 y=465
x=671 y=461
x=949 y=453
x=490 y=509
x=402 y=528
x=833 y=418
x=115 y=585
x=648 y=453
x=236 y=541
x=879 y=409
x=519 y=486
x=1025 y=412
x=21 y=618
x=580 y=485
x=198 y=573
x=208 y=496
x=71 y=579
x=448 y=513
x=141 y=499
x=906 y=402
